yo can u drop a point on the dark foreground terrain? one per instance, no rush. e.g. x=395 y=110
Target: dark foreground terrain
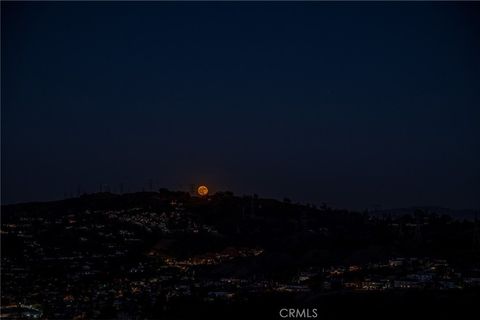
x=169 y=255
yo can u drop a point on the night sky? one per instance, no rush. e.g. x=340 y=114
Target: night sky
x=353 y=104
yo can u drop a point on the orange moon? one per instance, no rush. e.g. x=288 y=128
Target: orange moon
x=202 y=190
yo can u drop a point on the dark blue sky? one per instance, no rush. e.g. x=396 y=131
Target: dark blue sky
x=354 y=104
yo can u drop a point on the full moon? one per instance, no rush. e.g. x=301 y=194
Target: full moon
x=202 y=190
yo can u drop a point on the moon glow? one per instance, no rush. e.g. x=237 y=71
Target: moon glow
x=202 y=191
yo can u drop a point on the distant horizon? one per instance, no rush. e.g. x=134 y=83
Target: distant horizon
x=377 y=208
